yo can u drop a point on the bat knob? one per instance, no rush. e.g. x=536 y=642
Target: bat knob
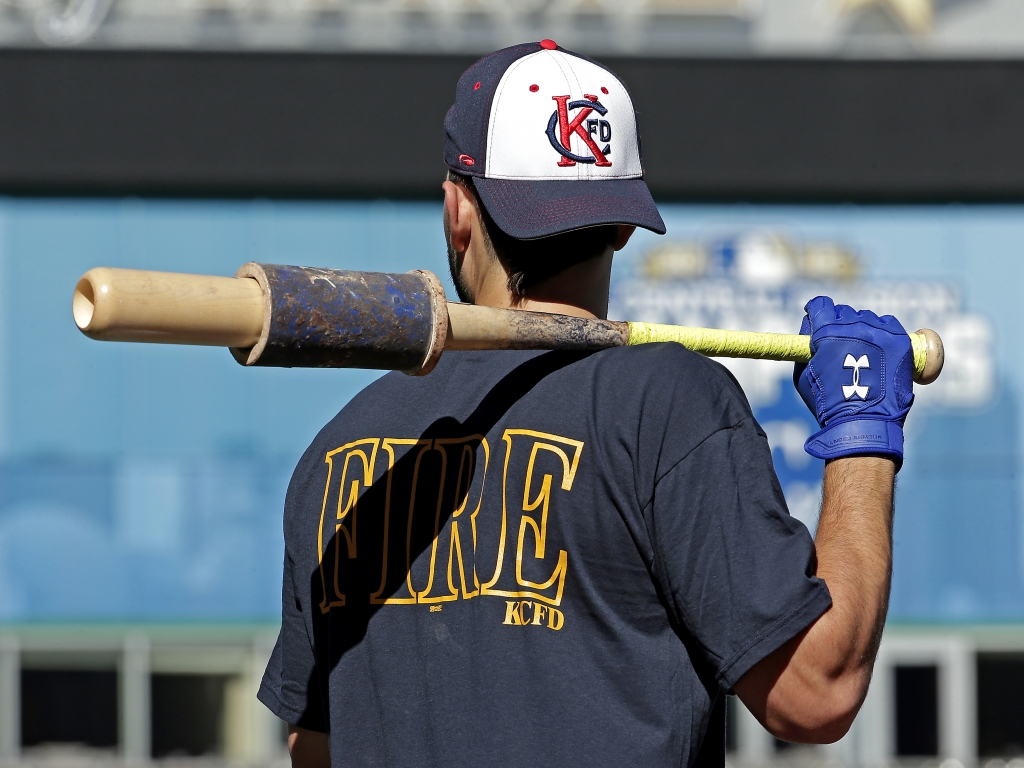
x=935 y=356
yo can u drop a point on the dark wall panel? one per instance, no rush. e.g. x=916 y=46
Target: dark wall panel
x=209 y=123
x=110 y=122
x=1000 y=705
x=187 y=715
x=917 y=711
x=837 y=129
x=78 y=706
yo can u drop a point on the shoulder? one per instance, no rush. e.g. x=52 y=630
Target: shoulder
x=667 y=398
x=667 y=367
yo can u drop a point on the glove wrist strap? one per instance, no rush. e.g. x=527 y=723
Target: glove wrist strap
x=857 y=437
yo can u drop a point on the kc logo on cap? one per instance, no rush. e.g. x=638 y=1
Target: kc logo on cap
x=560 y=118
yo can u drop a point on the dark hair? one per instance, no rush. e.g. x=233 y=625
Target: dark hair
x=531 y=262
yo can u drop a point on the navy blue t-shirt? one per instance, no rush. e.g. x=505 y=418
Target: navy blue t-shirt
x=532 y=558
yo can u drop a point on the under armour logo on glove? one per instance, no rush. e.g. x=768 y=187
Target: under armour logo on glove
x=859 y=382
x=856 y=388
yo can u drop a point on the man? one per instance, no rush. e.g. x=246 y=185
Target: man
x=529 y=558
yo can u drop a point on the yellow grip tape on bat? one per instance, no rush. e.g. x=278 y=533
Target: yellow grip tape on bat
x=715 y=342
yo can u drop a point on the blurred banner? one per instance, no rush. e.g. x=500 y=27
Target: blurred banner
x=145 y=483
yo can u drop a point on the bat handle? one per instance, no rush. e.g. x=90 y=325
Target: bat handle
x=717 y=342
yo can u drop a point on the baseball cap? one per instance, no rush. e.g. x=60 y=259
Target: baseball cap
x=550 y=141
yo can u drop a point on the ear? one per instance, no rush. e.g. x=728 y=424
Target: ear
x=625 y=232
x=459 y=209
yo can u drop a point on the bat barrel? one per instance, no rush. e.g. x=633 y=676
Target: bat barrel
x=274 y=315
x=168 y=308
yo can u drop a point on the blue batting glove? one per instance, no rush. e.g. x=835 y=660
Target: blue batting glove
x=859 y=383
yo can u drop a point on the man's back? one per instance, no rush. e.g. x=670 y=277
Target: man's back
x=530 y=558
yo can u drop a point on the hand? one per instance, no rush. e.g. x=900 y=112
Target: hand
x=859 y=382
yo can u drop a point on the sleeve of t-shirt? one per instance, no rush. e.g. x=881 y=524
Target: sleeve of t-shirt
x=736 y=570
x=290 y=688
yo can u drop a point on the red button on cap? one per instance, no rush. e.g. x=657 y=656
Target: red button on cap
x=548 y=45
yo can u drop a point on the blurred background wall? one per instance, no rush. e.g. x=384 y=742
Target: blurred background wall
x=869 y=149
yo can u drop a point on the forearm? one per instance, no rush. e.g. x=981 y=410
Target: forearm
x=308 y=749
x=828 y=672
x=854 y=547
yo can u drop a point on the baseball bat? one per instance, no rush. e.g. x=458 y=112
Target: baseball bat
x=285 y=316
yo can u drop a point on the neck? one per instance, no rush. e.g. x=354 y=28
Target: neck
x=579 y=291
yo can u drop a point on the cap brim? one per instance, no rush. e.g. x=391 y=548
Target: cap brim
x=527 y=210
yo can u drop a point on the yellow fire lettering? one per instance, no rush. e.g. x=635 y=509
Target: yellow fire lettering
x=386 y=584
x=462 y=531
x=538 y=613
x=360 y=456
x=550 y=589
x=432 y=484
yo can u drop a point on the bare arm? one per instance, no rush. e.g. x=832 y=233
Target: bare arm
x=811 y=688
x=308 y=748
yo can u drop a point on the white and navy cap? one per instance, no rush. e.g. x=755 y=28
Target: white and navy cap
x=550 y=141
